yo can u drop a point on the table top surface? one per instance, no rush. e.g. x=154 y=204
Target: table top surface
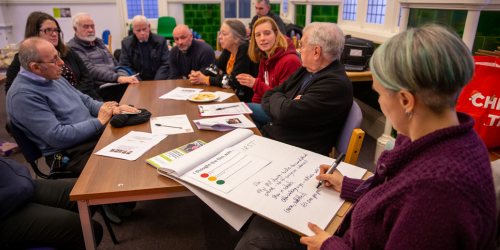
x=105 y=177
x=494 y=154
x=3 y=77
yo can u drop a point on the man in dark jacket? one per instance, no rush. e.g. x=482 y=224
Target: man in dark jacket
x=309 y=108
x=263 y=8
x=38 y=213
x=101 y=64
x=145 y=53
x=189 y=54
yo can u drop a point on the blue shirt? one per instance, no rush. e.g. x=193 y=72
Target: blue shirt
x=52 y=113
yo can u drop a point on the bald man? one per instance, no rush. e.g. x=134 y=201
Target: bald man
x=189 y=54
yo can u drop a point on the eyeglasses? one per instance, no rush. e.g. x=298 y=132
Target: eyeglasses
x=54 y=62
x=49 y=31
x=300 y=45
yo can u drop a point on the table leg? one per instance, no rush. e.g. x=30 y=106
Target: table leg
x=86 y=220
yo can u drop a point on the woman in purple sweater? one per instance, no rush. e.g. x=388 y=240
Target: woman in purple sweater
x=434 y=190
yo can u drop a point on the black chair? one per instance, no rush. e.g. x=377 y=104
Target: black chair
x=32 y=153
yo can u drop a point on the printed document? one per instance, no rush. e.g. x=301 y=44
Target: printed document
x=234 y=108
x=224 y=123
x=170 y=125
x=131 y=146
x=180 y=93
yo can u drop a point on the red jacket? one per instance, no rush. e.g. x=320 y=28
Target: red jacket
x=281 y=65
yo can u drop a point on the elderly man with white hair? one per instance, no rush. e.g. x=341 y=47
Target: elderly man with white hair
x=145 y=53
x=309 y=108
x=101 y=64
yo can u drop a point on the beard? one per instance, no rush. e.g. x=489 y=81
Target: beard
x=89 y=38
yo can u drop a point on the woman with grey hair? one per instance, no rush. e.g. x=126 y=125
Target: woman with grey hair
x=233 y=61
x=434 y=190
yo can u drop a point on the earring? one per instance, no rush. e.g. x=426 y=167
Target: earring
x=409 y=115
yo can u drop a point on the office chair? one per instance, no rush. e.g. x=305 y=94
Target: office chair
x=351 y=136
x=166 y=26
x=32 y=153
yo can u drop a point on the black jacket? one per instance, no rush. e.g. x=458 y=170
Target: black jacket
x=242 y=65
x=131 y=56
x=275 y=17
x=314 y=121
x=83 y=78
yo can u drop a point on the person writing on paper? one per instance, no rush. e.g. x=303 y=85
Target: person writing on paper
x=278 y=60
x=434 y=190
x=309 y=108
x=75 y=72
x=145 y=52
x=233 y=61
x=60 y=120
x=101 y=64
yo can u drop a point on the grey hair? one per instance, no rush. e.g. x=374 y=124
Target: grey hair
x=431 y=62
x=76 y=18
x=328 y=36
x=139 y=18
x=28 y=52
x=238 y=30
x=266 y=2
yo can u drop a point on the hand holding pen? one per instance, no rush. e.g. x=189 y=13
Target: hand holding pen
x=330 y=176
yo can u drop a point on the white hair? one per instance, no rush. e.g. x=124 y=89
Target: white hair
x=76 y=18
x=328 y=36
x=139 y=18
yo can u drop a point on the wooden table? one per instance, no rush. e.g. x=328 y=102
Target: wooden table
x=3 y=77
x=108 y=180
x=494 y=154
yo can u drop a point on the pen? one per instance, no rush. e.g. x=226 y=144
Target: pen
x=135 y=75
x=227 y=107
x=333 y=167
x=161 y=125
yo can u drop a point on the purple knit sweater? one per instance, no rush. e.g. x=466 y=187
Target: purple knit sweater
x=434 y=193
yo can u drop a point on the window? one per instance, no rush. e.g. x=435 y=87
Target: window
x=243 y=7
x=376 y=11
x=147 y=8
x=349 y=12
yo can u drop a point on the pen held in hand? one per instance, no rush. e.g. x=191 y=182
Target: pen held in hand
x=332 y=168
x=161 y=125
x=227 y=107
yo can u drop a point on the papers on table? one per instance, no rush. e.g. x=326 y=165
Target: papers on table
x=180 y=93
x=234 y=108
x=170 y=125
x=131 y=146
x=224 y=123
x=223 y=95
x=106 y=85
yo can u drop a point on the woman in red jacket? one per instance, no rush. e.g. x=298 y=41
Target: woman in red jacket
x=278 y=60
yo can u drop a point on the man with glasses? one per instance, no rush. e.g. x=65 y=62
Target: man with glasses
x=102 y=65
x=59 y=119
x=145 y=53
x=189 y=54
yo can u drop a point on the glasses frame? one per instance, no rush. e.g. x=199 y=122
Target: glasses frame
x=58 y=31
x=54 y=62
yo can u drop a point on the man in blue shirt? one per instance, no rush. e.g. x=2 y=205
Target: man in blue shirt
x=189 y=54
x=51 y=113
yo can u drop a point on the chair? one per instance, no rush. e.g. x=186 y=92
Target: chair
x=32 y=153
x=351 y=136
x=166 y=26
x=106 y=38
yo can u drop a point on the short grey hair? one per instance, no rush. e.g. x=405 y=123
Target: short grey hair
x=139 y=18
x=431 y=62
x=238 y=30
x=266 y=2
x=328 y=36
x=28 y=52
x=76 y=18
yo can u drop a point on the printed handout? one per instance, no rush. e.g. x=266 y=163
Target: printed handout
x=131 y=146
x=180 y=93
x=234 y=108
x=224 y=123
x=170 y=125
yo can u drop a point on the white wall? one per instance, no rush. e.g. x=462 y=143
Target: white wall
x=105 y=17
x=176 y=10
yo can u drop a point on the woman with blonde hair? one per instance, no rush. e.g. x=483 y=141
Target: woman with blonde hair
x=233 y=61
x=278 y=60
x=434 y=190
